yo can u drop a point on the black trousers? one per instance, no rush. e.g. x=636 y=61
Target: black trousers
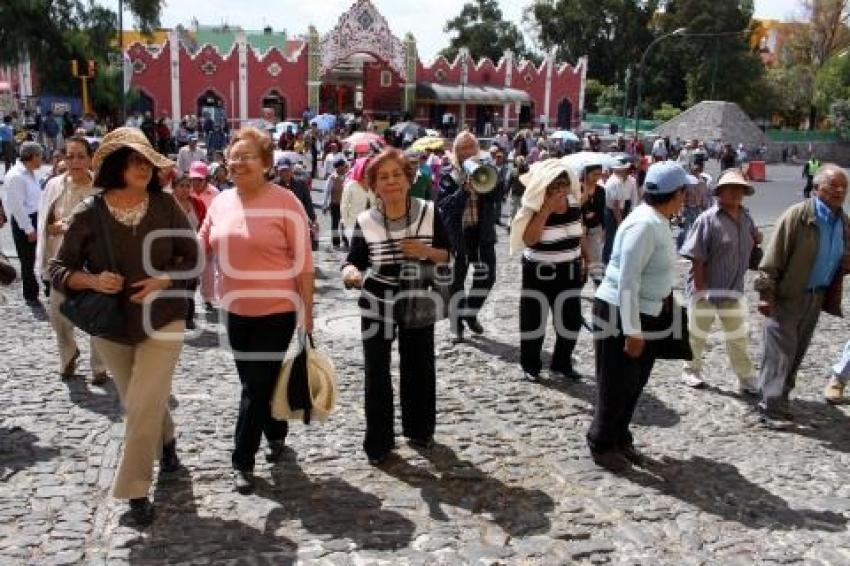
x=545 y=287
x=463 y=305
x=26 y=255
x=190 y=299
x=619 y=378
x=249 y=337
x=418 y=384
x=335 y=216
x=610 y=224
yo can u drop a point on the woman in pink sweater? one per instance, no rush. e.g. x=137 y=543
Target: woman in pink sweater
x=260 y=237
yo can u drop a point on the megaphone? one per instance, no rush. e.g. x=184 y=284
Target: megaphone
x=482 y=177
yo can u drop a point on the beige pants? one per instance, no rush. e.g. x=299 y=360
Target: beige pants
x=142 y=374
x=65 y=336
x=732 y=316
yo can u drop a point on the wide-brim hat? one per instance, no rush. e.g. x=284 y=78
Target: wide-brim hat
x=135 y=140
x=734 y=178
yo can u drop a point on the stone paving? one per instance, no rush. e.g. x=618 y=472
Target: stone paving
x=509 y=481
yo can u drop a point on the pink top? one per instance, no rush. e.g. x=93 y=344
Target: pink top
x=207 y=195
x=261 y=246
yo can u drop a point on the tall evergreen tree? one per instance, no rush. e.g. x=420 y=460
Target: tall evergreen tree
x=481 y=28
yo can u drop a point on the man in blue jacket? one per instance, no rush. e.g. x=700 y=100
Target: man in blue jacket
x=470 y=222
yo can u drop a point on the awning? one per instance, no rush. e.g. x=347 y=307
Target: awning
x=457 y=94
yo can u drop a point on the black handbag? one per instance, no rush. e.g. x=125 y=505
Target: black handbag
x=424 y=290
x=97 y=314
x=675 y=344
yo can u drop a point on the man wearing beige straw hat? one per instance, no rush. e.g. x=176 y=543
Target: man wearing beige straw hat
x=719 y=246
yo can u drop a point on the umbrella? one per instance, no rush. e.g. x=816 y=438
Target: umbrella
x=293 y=156
x=324 y=122
x=428 y=143
x=584 y=159
x=565 y=135
x=362 y=142
x=408 y=131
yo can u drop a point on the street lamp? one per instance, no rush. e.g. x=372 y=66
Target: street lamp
x=678 y=31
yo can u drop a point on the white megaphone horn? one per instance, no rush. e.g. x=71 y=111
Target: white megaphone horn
x=482 y=177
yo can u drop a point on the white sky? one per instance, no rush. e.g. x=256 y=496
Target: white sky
x=425 y=19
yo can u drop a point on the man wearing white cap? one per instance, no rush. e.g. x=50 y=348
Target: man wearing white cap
x=719 y=246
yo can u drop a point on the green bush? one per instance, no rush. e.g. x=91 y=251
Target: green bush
x=666 y=112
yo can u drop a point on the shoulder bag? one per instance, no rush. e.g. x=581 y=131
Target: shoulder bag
x=424 y=289
x=97 y=314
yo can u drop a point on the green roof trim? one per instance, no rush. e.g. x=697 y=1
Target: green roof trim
x=223 y=38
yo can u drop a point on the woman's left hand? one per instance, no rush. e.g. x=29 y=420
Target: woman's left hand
x=147 y=286
x=414 y=249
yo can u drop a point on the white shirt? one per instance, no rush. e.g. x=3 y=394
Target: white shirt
x=186 y=156
x=23 y=193
x=616 y=192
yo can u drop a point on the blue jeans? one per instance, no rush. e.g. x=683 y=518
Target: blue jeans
x=842 y=368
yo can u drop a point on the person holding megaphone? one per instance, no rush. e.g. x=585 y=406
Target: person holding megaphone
x=466 y=203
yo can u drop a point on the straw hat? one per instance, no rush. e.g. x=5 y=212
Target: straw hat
x=135 y=140
x=734 y=178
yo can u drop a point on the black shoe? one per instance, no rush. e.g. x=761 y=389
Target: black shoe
x=190 y=324
x=276 y=451
x=475 y=326
x=169 y=463
x=633 y=455
x=457 y=337
x=612 y=460
x=142 y=511
x=380 y=460
x=421 y=443
x=568 y=374
x=243 y=482
x=71 y=367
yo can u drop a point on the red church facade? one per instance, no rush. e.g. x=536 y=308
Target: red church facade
x=358 y=66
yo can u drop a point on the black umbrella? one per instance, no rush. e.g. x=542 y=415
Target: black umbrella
x=408 y=132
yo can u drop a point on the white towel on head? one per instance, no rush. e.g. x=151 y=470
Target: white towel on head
x=536 y=181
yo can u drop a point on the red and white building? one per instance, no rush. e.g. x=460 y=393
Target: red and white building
x=359 y=65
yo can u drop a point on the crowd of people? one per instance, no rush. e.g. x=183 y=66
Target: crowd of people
x=239 y=227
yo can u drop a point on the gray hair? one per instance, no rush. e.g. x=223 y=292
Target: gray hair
x=825 y=174
x=30 y=149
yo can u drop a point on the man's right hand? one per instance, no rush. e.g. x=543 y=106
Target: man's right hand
x=107 y=282
x=765 y=308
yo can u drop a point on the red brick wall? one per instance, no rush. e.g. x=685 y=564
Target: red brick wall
x=155 y=80
x=291 y=83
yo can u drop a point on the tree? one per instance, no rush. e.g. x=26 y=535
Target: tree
x=592 y=91
x=839 y=117
x=53 y=32
x=666 y=112
x=481 y=28
x=612 y=33
x=610 y=101
x=712 y=61
x=832 y=82
x=786 y=93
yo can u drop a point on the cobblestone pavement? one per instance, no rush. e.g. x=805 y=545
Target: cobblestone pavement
x=509 y=481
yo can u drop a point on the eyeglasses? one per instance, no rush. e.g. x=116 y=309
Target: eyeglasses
x=241 y=158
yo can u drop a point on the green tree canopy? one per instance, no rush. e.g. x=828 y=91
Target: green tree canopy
x=612 y=33
x=481 y=28
x=53 y=32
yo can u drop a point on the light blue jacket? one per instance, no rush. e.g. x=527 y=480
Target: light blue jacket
x=640 y=274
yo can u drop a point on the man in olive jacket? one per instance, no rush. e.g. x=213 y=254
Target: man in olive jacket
x=801 y=274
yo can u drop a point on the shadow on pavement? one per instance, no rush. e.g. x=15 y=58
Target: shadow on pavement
x=180 y=535
x=651 y=411
x=18 y=451
x=719 y=489
x=101 y=400
x=518 y=511
x=332 y=506
x=821 y=421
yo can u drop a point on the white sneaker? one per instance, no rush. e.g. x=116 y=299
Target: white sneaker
x=692 y=379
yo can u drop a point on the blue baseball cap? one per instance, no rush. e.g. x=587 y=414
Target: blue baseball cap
x=666 y=177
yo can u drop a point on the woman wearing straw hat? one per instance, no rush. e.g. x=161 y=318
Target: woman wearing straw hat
x=141 y=356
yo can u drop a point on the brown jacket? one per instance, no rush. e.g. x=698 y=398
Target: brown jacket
x=81 y=252
x=790 y=256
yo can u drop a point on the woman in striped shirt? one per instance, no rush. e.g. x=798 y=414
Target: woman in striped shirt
x=553 y=274
x=399 y=228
